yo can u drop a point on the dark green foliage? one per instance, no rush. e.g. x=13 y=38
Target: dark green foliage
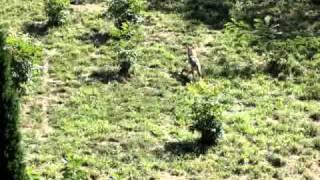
x=289 y=18
x=24 y=55
x=11 y=158
x=56 y=11
x=125 y=11
x=206 y=116
x=215 y=13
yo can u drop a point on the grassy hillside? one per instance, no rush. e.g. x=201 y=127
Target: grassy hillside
x=79 y=122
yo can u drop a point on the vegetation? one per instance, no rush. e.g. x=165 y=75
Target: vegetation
x=11 y=158
x=126 y=58
x=125 y=11
x=56 y=11
x=260 y=61
x=24 y=55
x=206 y=117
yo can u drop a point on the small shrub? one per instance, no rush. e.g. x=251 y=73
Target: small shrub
x=24 y=55
x=56 y=11
x=206 y=116
x=126 y=58
x=125 y=11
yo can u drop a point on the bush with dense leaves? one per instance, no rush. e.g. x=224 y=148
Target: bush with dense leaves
x=24 y=54
x=11 y=156
x=125 y=11
x=56 y=11
x=126 y=58
x=206 y=116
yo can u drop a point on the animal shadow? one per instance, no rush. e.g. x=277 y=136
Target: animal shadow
x=181 y=77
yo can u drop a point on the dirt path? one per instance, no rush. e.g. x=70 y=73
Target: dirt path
x=45 y=98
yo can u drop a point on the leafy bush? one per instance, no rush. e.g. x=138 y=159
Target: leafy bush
x=206 y=116
x=127 y=58
x=56 y=11
x=125 y=11
x=11 y=155
x=24 y=55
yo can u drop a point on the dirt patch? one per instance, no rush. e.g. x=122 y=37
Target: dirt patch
x=88 y=7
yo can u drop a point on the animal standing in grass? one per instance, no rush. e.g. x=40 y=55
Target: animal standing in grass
x=194 y=61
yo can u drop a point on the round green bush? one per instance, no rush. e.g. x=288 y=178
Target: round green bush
x=206 y=116
x=56 y=11
x=125 y=11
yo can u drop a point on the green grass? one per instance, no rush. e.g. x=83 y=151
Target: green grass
x=138 y=129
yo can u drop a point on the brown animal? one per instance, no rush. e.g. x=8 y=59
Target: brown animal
x=194 y=61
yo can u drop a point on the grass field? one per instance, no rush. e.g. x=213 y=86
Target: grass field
x=77 y=123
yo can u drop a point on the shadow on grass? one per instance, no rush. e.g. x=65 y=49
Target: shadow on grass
x=107 y=76
x=36 y=28
x=186 y=147
x=95 y=37
x=181 y=77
